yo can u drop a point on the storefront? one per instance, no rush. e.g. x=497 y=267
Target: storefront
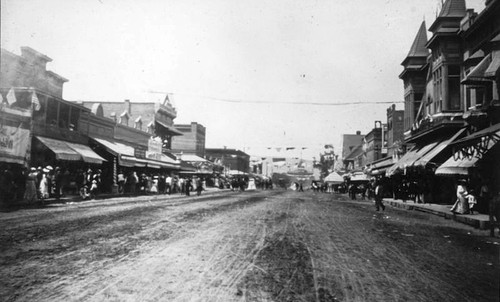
x=476 y=158
x=15 y=142
x=413 y=176
x=126 y=159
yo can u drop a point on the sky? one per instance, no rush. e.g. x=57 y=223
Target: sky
x=260 y=75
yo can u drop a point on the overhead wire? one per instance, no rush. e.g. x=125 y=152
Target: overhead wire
x=243 y=101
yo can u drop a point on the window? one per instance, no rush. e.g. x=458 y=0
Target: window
x=63 y=116
x=74 y=118
x=454 y=87
x=52 y=109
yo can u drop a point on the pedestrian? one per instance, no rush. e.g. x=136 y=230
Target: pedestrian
x=58 y=178
x=379 y=195
x=161 y=184
x=31 y=193
x=168 y=184
x=461 y=205
x=187 y=186
x=154 y=185
x=121 y=182
x=494 y=213
x=132 y=180
x=93 y=189
x=199 y=186
x=44 y=185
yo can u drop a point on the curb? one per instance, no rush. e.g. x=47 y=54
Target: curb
x=480 y=221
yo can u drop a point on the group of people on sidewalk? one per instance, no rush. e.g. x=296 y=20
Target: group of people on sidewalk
x=132 y=183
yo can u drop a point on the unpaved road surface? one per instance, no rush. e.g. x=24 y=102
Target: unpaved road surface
x=252 y=246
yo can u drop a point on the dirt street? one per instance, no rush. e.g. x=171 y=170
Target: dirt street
x=253 y=246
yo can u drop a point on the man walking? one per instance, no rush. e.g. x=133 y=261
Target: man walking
x=379 y=195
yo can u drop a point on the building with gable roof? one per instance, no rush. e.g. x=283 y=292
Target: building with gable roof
x=455 y=131
x=154 y=118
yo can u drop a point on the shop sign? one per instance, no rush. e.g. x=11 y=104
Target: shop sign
x=153 y=155
x=15 y=139
x=154 y=146
x=139 y=153
x=154 y=149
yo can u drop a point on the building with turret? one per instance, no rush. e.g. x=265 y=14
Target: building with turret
x=452 y=117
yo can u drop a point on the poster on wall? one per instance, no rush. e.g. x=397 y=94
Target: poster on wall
x=15 y=135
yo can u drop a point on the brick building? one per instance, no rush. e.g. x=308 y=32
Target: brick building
x=192 y=140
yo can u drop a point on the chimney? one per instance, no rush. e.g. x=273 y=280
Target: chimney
x=128 y=107
x=358 y=132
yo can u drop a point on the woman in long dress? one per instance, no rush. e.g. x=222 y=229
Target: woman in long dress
x=44 y=185
x=30 y=194
x=461 y=206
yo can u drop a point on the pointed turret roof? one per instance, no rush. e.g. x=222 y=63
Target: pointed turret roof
x=418 y=52
x=453 y=8
x=418 y=48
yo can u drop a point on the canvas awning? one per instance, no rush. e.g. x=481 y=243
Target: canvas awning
x=359 y=177
x=60 y=148
x=124 y=153
x=88 y=155
x=484 y=71
x=380 y=167
x=490 y=131
x=469 y=150
x=477 y=74
x=460 y=166
x=494 y=65
x=427 y=158
x=402 y=162
x=192 y=158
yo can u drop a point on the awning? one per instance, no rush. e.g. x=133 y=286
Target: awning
x=140 y=163
x=427 y=158
x=127 y=161
x=380 y=167
x=185 y=167
x=88 y=155
x=492 y=130
x=192 y=158
x=411 y=157
x=402 y=162
x=460 y=166
x=484 y=71
x=170 y=129
x=115 y=148
x=494 y=65
x=359 y=177
x=60 y=149
x=124 y=153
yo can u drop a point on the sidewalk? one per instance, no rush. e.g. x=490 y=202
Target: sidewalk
x=476 y=220
x=104 y=196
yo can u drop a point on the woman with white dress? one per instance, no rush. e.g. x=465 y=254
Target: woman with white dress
x=44 y=185
x=461 y=206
